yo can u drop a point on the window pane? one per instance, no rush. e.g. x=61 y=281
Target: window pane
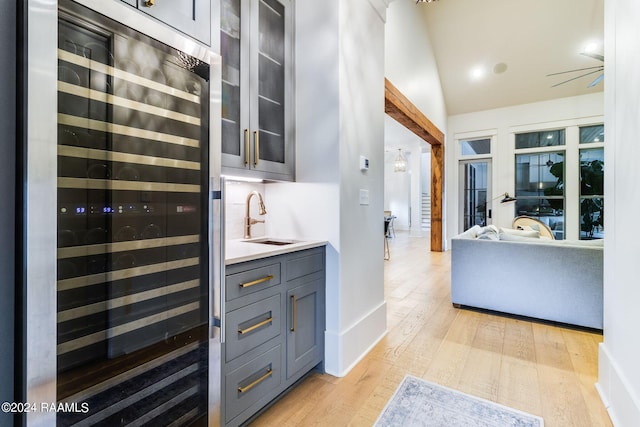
x=475 y=193
x=478 y=146
x=540 y=174
x=591 y=218
x=540 y=139
x=592 y=134
x=540 y=188
x=549 y=211
x=592 y=172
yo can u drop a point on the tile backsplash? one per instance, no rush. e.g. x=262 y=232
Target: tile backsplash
x=235 y=199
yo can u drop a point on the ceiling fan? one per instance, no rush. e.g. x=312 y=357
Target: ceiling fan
x=589 y=71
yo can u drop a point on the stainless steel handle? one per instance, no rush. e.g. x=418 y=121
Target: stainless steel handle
x=258 y=281
x=256 y=382
x=292 y=300
x=149 y=3
x=256 y=326
x=246 y=147
x=216 y=260
x=256 y=146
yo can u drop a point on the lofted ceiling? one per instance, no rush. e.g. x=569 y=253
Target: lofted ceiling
x=515 y=43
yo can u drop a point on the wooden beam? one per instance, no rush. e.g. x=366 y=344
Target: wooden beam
x=437 y=195
x=397 y=106
x=404 y=112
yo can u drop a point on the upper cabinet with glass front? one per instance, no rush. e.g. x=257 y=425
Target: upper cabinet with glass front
x=192 y=17
x=257 y=93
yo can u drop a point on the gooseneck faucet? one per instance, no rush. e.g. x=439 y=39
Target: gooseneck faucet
x=248 y=221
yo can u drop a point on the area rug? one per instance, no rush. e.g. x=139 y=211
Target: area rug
x=417 y=402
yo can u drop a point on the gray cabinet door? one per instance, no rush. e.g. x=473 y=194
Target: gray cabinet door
x=257 y=90
x=192 y=17
x=235 y=48
x=271 y=105
x=305 y=324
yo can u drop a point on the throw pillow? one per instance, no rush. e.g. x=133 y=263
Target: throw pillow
x=522 y=233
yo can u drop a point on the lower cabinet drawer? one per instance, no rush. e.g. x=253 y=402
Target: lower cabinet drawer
x=258 y=379
x=252 y=325
x=252 y=280
x=304 y=263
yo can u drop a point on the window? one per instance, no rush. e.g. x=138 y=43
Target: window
x=550 y=138
x=571 y=205
x=592 y=193
x=589 y=134
x=540 y=187
x=475 y=147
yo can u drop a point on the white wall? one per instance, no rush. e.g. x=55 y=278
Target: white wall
x=402 y=190
x=397 y=187
x=410 y=64
x=501 y=124
x=619 y=369
x=339 y=116
x=426 y=173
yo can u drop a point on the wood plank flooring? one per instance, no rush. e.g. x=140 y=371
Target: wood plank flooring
x=535 y=367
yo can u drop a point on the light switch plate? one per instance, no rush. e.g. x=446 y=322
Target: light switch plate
x=364 y=197
x=364 y=164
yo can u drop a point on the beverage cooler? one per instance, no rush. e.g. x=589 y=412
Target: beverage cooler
x=122 y=257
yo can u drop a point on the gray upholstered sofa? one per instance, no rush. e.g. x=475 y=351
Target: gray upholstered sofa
x=560 y=281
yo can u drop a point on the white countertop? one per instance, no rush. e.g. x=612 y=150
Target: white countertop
x=244 y=250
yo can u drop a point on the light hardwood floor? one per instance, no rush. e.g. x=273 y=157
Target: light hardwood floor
x=535 y=367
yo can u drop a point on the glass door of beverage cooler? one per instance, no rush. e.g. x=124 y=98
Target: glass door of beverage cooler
x=132 y=226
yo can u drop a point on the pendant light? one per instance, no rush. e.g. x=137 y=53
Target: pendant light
x=401 y=163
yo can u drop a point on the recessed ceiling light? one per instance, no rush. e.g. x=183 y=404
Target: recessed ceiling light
x=477 y=73
x=591 y=47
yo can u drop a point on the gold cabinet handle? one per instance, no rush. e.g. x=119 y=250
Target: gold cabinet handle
x=256 y=282
x=256 y=154
x=246 y=147
x=256 y=326
x=256 y=382
x=292 y=299
x=149 y=3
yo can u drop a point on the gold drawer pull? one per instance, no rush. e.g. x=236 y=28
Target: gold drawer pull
x=256 y=326
x=149 y=3
x=256 y=382
x=293 y=310
x=257 y=282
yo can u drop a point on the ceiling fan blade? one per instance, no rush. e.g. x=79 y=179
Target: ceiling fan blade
x=596 y=81
x=575 y=78
x=600 y=67
x=593 y=55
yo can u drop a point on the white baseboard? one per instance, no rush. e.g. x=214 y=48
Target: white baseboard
x=615 y=391
x=343 y=350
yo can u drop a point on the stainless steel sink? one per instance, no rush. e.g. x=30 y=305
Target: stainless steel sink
x=270 y=241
